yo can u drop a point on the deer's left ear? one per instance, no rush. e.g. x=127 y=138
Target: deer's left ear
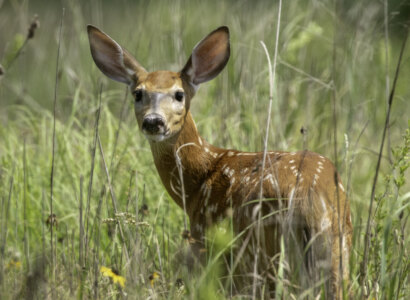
x=209 y=57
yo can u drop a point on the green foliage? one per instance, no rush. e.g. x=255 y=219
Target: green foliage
x=389 y=270
x=15 y=46
x=320 y=49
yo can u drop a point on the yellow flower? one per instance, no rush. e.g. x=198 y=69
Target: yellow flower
x=13 y=263
x=119 y=279
x=107 y=272
x=113 y=274
x=153 y=277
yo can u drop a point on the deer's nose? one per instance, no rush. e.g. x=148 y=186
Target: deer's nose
x=153 y=124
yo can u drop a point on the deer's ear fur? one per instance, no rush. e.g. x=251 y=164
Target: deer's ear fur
x=208 y=57
x=111 y=58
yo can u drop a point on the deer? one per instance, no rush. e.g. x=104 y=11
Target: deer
x=297 y=198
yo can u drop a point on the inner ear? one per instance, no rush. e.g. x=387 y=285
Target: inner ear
x=208 y=57
x=113 y=60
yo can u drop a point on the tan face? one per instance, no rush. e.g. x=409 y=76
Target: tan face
x=160 y=104
x=162 y=98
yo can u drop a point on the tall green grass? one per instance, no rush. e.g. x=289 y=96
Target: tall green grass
x=230 y=111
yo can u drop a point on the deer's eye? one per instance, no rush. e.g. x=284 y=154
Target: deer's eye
x=179 y=96
x=137 y=95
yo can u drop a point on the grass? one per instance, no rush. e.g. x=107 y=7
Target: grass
x=230 y=111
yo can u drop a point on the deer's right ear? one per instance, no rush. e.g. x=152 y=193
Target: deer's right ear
x=111 y=58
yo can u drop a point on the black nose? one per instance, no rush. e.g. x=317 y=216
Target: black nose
x=153 y=123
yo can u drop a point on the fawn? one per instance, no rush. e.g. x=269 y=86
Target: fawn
x=303 y=199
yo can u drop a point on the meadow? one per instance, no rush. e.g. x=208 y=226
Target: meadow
x=83 y=211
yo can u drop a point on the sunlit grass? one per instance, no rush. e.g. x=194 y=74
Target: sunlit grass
x=230 y=111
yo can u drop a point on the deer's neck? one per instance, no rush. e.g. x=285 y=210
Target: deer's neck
x=196 y=157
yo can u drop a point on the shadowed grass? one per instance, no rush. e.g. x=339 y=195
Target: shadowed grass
x=230 y=111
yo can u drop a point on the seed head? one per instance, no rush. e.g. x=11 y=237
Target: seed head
x=52 y=220
x=35 y=23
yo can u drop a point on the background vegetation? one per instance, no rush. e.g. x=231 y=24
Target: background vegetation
x=332 y=55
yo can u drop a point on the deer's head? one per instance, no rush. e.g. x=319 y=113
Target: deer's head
x=162 y=98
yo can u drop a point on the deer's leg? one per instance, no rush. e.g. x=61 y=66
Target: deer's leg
x=340 y=263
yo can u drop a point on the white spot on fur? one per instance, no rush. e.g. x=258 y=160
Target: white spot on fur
x=226 y=171
x=246 y=179
x=294 y=170
x=292 y=153
x=291 y=161
x=231 y=153
x=206 y=149
x=200 y=140
x=315 y=179
x=231 y=172
x=232 y=180
x=318 y=170
x=325 y=223
x=246 y=153
x=274 y=183
x=243 y=171
x=341 y=187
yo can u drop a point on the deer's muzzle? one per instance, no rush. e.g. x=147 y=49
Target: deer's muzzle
x=153 y=124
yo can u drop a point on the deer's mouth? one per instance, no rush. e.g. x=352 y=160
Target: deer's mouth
x=158 y=136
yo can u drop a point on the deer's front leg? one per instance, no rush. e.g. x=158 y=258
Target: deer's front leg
x=195 y=254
